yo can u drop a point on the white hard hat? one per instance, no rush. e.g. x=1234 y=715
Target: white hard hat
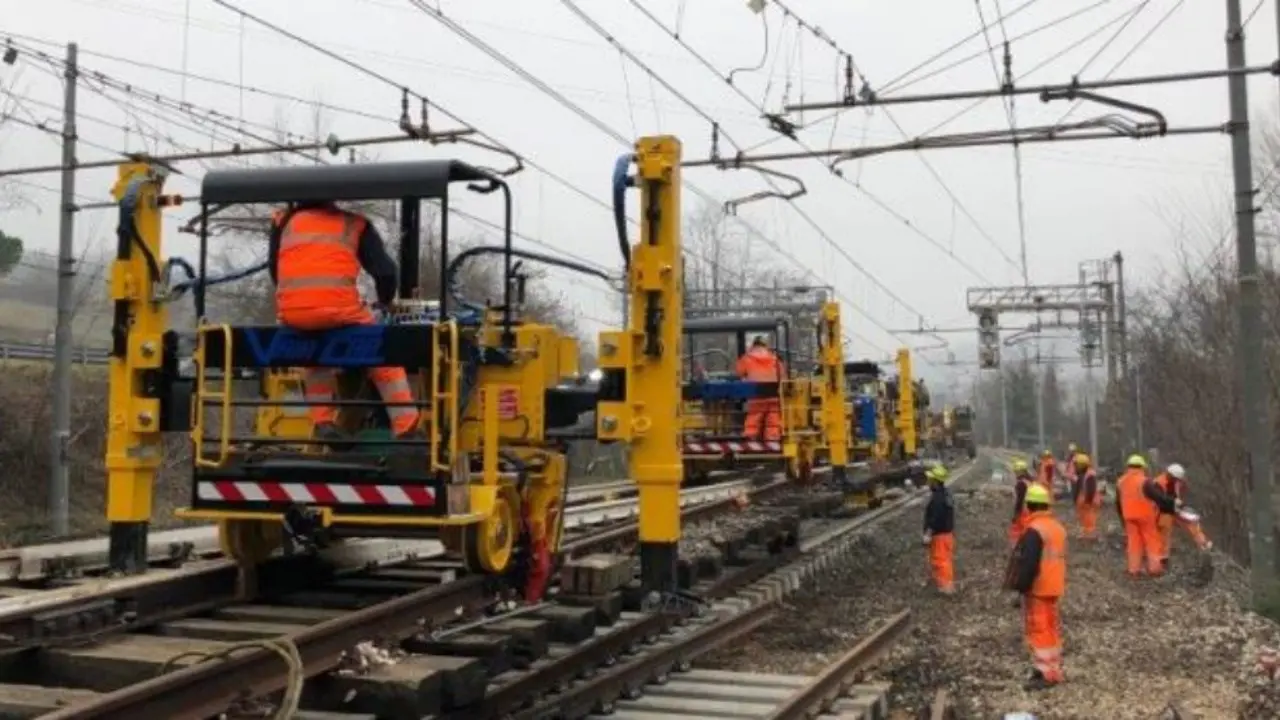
x=1178 y=471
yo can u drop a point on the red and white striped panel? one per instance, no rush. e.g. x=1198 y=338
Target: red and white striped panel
x=315 y=493
x=737 y=447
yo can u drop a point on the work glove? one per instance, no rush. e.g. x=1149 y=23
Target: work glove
x=381 y=315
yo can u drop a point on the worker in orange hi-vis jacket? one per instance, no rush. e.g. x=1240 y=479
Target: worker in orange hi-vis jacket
x=1087 y=496
x=1038 y=572
x=1139 y=501
x=1173 y=482
x=764 y=415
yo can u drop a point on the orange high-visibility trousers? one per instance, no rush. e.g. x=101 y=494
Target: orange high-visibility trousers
x=1142 y=537
x=1087 y=515
x=1043 y=632
x=766 y=414
x=320 y=385
x=1197 y=535
x=941 y=554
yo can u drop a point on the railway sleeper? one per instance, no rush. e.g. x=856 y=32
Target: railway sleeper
x=479 y=671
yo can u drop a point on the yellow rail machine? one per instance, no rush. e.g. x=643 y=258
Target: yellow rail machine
x=639 y=397
x=487 y=473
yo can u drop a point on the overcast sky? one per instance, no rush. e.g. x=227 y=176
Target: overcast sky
x=1082 y=200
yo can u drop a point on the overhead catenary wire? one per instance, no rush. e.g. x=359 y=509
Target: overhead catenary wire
x=1027 y=73
x=238 y=151
x=856 y=185
x=212 y=115
x=599 y=29
x=897 y=84
x=1011 y=114
x=603 y=127
x=448 y=22
x=1137 y=46
x=369 y=72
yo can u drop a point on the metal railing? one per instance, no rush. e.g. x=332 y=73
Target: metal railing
x=39 y=351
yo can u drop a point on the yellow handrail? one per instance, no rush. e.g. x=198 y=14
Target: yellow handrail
x=203 y=395
x=444 y=403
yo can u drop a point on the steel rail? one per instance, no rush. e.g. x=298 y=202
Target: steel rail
x=204 y=690
x=819 y=695
x=616 y=682
x=580 y=701
x=207 y=689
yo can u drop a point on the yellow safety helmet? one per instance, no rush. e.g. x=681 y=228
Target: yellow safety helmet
x=1037 y=493
x=1136 y=461
x=1019 y=465
x=937 y=472
x=1047 y=453
x=1082 y=460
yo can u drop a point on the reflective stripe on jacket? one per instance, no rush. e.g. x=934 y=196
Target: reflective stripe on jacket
x=1051 y=578
x=318 y=263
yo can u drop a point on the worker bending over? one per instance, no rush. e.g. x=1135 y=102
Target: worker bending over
x=1022 y=479
x=761 y=365
x=1038 y=572
x=315 y=254
x=939 y=530
x=1088 y=498
x=1139 y=501
x=1173 y=482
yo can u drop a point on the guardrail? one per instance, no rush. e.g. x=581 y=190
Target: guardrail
x=40 y=351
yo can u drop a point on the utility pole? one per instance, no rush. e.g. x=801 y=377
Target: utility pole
x=1004 y=410
x=1257 y=421
x=1128 y=400
x=59 y=504
x=1087 y=332
x=1039 y=405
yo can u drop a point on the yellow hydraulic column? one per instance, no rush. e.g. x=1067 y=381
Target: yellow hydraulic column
x=646 y=359
x=134 y=439
x=835 y=415
x=906 y=404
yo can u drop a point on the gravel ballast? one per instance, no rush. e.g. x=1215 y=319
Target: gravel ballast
x=1133 y=649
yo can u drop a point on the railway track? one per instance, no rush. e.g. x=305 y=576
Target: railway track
x=87 y=557
x=115 y=652
x=99 y=635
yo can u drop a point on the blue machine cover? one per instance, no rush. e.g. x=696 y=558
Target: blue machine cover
x=864 y=410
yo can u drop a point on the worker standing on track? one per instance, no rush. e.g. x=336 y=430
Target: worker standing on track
x=761 y=365
x=1139 y=502
x=1038 y=572
x=939 y=530
x=1021 y=481
x=315 y=254
x=1087 y=497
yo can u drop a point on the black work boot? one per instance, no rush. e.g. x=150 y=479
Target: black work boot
x=1036 y=682
x=332 y=436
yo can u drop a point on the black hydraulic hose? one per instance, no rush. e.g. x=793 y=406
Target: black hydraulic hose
x=458 y=260
x=621 y=181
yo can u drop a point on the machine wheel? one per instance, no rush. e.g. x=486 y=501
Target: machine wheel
x=487 y=546
x=249 y=542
